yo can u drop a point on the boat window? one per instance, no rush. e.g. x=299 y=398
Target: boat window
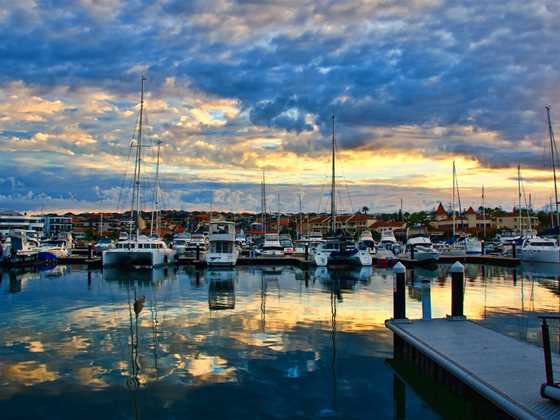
x=542 y=243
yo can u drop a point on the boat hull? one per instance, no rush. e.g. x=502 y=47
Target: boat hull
x=539 y=255
x=137 y=257
x=221 y=259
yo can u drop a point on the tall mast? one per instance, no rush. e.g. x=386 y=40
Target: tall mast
x=263 y=203
x=300 y=219
x=278 y=216
x=483 y=215
x=333 y=183
x=519 y=197
x=156 y=213
x=453 y=205
x=138 y=164
x=553 y=156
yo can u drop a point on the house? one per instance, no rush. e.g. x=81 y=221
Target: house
x=351 y=223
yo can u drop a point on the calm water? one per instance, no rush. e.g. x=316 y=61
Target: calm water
x=244 y=344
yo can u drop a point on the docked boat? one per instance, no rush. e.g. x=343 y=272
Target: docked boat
x=366 y=239
x=222 y=249
x=271 y=246
x=337 y=249
x=536 y=249
x=287 y=244
x=197 y=244
x=388 y=248
x=180 y=242
x=19 y=244
x=140 y=250
x=341 y=251
x=421 y=249
x=54 y=249
x=104 y=244
x=464 y=245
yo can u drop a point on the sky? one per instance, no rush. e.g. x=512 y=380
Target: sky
x=235 y=87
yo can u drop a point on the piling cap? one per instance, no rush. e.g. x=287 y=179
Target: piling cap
x=457 y=267
x=399 y=268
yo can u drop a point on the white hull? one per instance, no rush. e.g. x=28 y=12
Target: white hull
x=362 y=257
x=138 y=257
x=423 y=256
x=541 y=255
x=222 y=259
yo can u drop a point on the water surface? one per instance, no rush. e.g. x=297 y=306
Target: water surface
x=250 y=343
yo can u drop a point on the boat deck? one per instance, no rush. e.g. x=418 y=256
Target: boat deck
x=505 y=371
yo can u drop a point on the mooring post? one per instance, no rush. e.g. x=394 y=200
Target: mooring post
x=482 y=247
x=514 y=250
x=306 y=252
x=90 y=251
x=426 y=301
x=411 y=252
x=399 y=284
x=457 y=290
x=547 y=353
x=197 y=252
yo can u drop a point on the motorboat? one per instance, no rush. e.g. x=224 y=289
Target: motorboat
x=388 y=248
x=464 y=245
x=180 y=242
x=341 y=251
x=287 y=244
x=197 y=244
x=421 y=249
x=536 y=249
x=271 y=246
x=104 y=244
x=20 y=244
x=53 y=249
x=366 y=238
x=222 y=249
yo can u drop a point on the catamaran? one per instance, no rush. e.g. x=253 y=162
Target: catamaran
x=338 y=249
x=138 y=249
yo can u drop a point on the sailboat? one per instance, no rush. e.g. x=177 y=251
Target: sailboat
x=534 y=248
x=337 y=249
x=138 y=249
x=464 y=244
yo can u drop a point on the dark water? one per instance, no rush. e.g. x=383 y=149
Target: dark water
x=243 y=344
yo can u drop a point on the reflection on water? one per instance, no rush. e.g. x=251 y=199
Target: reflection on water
x=254 y=342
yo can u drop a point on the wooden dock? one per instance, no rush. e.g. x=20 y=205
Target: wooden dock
x=504 y=371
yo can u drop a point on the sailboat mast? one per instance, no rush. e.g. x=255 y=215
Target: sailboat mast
x=519 y=197
x=453 y=202
x=553 y=156
x=263 y=203
x=138 y=165
x=156 y=195
x=333 y=183
x=300 y=219
x=483 y=215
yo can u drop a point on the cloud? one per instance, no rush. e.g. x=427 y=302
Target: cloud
x=235 y=86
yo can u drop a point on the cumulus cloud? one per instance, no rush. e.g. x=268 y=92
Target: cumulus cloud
x=235 y=86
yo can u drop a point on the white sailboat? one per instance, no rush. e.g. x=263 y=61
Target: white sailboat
x=534 y=248
x=141 y=250
x=339 y=250
x=222 y=249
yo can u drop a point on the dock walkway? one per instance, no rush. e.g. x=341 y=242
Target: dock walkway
x=505 y=371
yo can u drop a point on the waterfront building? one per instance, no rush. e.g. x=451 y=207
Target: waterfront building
x=351 y=223
x=20 y=221
x=53 y=224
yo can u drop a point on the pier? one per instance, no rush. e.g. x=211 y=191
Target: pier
x=505 y=372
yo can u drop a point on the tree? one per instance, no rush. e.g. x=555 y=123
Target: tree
x=365 y=209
